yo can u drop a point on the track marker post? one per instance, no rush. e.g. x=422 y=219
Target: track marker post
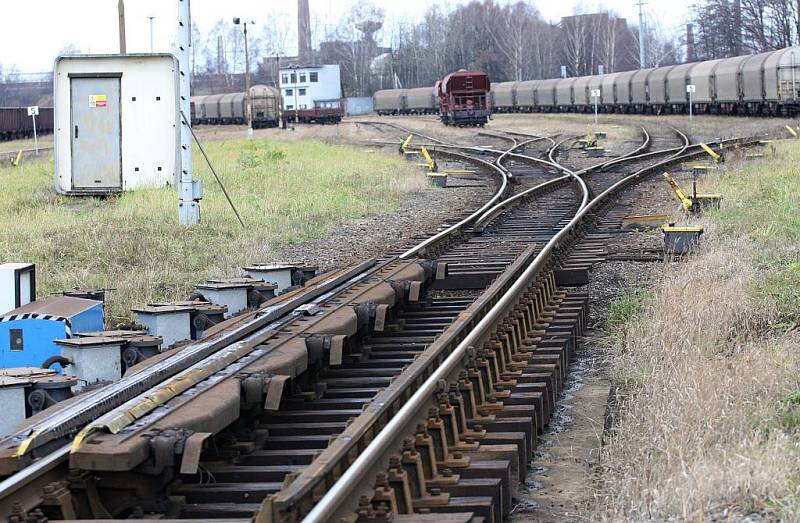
x=596 y=96
x=690 y=89
x=33 y=111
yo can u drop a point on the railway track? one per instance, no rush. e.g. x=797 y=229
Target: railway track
x=413 y=385
x=9 y=156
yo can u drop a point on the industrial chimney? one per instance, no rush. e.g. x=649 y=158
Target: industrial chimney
x=690 y=43
x=303 y=32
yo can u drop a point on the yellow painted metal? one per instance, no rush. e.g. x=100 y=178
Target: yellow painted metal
x=686 y=202
x=791 y=130
x=115 y=421
x=406 y=143
x=16 y=160
x=711 y=152
x=22 y=449
x=428 y=159
x=690 y=228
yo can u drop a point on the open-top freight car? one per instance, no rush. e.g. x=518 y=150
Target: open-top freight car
x=230 y=108
x=15 y=122
x=464 y=98
x=324 y=111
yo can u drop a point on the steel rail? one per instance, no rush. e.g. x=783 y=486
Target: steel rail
x=505 y=176
x=97 y=406
x=340 y=491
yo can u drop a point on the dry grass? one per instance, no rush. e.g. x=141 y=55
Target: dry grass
x=708 y=374
x=286 y=192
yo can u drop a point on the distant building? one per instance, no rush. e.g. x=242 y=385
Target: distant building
x=303 y=86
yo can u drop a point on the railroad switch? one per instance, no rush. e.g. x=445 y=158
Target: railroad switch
x=696 y=203
x=405 y=144
x=595 y=152
x=438 y=179
x=681 y=240
x=791 y=130
x=714 y=154
x=15 y=161
x=430 y=163
x=590 y=140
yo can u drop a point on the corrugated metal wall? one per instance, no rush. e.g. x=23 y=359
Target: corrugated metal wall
x=358 y=105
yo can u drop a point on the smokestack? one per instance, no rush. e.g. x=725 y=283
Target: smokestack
x=220 y=55
x=690 y=43
x=303 y=31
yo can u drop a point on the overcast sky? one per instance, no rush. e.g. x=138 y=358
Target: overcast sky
x=34 y=31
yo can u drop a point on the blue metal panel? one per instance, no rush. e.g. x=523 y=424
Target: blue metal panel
x=90 y=320
x=37 y=341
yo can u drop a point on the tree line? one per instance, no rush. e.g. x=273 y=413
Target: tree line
x=725 y=28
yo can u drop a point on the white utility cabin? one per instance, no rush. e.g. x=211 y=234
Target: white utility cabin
x=302 y=86
x=116 y=122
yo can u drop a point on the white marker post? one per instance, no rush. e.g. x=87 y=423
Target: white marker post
x=596 y=96
x=33 y=111
x=690 y=88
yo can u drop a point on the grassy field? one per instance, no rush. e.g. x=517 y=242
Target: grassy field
x=708 y=368
x=285 y=192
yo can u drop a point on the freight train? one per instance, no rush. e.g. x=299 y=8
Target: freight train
x=763 y=84
x=460 y=98
x=15 y=122
x=230 y=108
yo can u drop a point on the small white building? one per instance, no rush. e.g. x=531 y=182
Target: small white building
x=302 y=86
x=116 y=122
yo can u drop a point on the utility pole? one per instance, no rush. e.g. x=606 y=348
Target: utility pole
x=248 y=106
x=642 y=61
x=190 y=191
x=278 y=85
x=121 y=12
x=151 y=33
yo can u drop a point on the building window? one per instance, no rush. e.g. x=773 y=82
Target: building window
x=288 y=107
x=302 y=78
x=301 y=92
x=294 y=78
x=285 y=78
x=314 y=76
x=289 y=92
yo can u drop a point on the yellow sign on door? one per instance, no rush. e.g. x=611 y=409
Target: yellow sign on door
x=97 y=100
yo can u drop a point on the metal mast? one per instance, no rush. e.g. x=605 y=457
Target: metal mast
x=190 y=191
x=642 y=62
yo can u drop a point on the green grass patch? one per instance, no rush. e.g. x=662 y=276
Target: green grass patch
x=285 y=191
x=761 y=202
x=629 y=305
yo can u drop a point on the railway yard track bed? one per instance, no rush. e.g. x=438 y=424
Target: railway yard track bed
x=451 y=378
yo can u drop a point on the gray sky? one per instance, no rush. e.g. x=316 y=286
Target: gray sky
x=92 y=24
